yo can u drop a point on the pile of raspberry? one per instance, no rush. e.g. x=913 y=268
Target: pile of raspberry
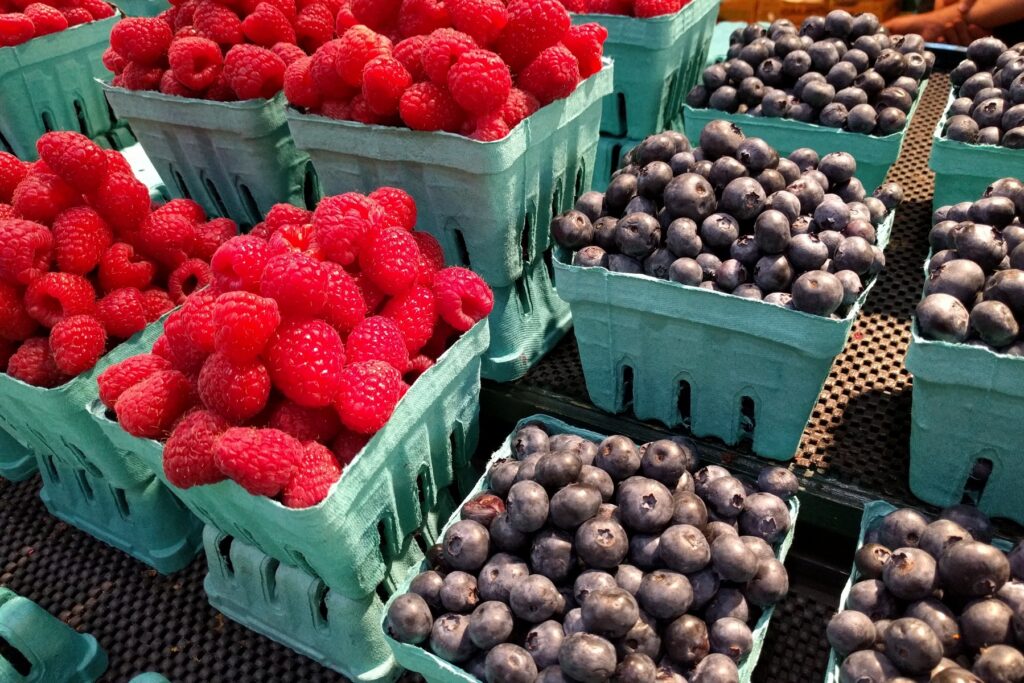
x=223 y=50
x=84 y=261
x=315 y=325
x=631 y=8
x=23 y=20
x=475 y=67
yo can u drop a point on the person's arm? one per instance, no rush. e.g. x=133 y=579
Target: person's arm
x=992 y=14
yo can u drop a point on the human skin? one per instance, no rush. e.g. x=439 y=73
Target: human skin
x=959 y=21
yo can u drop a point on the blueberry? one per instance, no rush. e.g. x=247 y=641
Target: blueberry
x=867 y=666
x=985 y=51
x=854 y=253
x=682 y=239
x=645 y=505
x=964 y=70
x=733 y=560
x=940 y=535
x=819 y=178
x=706 y=475
x=894 y=98
x=686 y=640
x=535 y=599
x=629 y=578
x=771 y=181
x=543 y=643
x=719 y=230
x=851 y=191
x=690 y=196
x=610 y=612
x=716 y=668
x=973 y=569
x=689 y=509
x=912 y=645
x=621 y=189
x=809 y=192
x=806 y=252
x=757 y=155
x=659 y=147
x=587 y=658
x=490 y=623
x=409 y=619
x=862 y=119
x=959 y=277
x=864 y=25
x=910 y=574
x=704 y=585
x=743 y=198
x=684 y=548
x=834 y=115
x=871 y=82
x=638 y=235
x=635 y=668
x=940 y=237
x=850 y=631
x=834 y=214
x=589 y=581
x=1014 y=138
x=725 y=496
x=794 y=65
x=590 y=204
x=772 y=232
x=466 y=545
x=573 y=622
x=572 y=229
x=499 y=575
x=851 y=97
x=999 y=663
x=459 y=592
x=551 y=554
x=618 y=456
x=790 y=172
x=775 y=103
x=653 y=178
x=819 y=94
x=728 y=602
x=715 y=76
x=527 y=506
x=943 y=318
x=730 y=275
x=980 y=243
x=575 y=503
x=665 y=461
x=749 y=291
x=801 y=111
x=641 y=205
x=686 y=271
x=698 y=96
x=961 y=128
x=604 y=233
x=737 y=70
x=773 y=273
x=1007 y=287
x=601 y=543
x=449 y=638
x=784 y=202
x=682 y=162
x=994 y=323
x=961 y=106
x=591 y=257
x=838 y=167
x=506 y=537
x=818 y=293
x=764 y=515
x=720 y=138
x=508 y=663
x=557 y=469
x=852 y=286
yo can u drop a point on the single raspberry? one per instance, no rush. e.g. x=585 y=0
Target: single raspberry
x=426 y=106
x=368 y=396
x=243 y=324
x=188 y=209
x=391 y=260
x=268 y=25
x=578 y=6
x=654 y=8
x=463 y=298
x=553 y=75
x=167 y=238
x=586 y=43
x=239 y=264
x=76 y=16
x=12 y=172
x=305 y=359
x=261 y=461
x=15 y=29
x=122 y=312
x=441 y=50
x=379 y=15
x=533 y=26
x=190 y=276
x=178 y=347
x=211 y=235
x=54 y=296
x=479 y=81
x=344 y=19
x=122 y=200
x=384 y=81
x=431 y=256
x=81 y=237
x=198 y=319
x=156 y=303
x=218 y=23
x=299 y=87
x=281 y=215
x=114 y=62
x=313 y=478
x=373 y=296
x=420 y=17
x=487 y=128
x=314 y=26
x=398 y=206
x=77 y=342
x=378 y=338
x=357 y=46
x=305 y=424
x=221 y=90
x=288 y=53
x=142 y=40
x=196 y=62
x=121 y=267
x=345 y=306
x=624 y=7
x=118 y=378
x=169 y=85
x=184 y=13
x=138 y=77
x=235 y=391
x=324 y=75
x=297 y=282
x=415 y=314
x=15 y=322
x=33 y=364
x=7 y=212
x=340 y=236
x=97 y=8
x=298 y=237
x=360 y=111
x=484 y=20
x=42 y=196
x=149 y=409
x=409 y=52
x=347 y=445
x=346 y=203
x=46 y=19
x=340 y=110
x=188 y=453
x=417 y=366
x=253 y=72
x=25 y=248
x=519 y=105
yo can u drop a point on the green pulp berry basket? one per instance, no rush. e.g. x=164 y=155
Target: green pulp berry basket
x=715 y=362
x=49 y=83
x=236 y=159
x=657 y=61
x=142 y=8
x=963 y=171
x=610 y=151
x=16 y=462
x=437 y=670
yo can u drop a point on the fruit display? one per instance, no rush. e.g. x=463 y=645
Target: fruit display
x=86 y=262
x=635 y=8
x=20 y=22
x=475 y=67
x=975 y=287
x=838 y=71
x=587 y=561
x=313 y=328
x=931 y=600
x=988 y=87
x=733 y=216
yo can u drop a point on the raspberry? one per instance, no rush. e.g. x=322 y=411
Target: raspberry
x=431 y=256
x=654 y=8
x=369 y=393
x=409 y=52
x=33 y=364
x=42 y=195
x=425 y=106
x=345 y=203
x=299 y=87
x=484 y=20
x=25 y=248
x=415 y=315
x=243 y=322
x=578 y=6
x=149 y=409
x=118 y=378
x=340 y=110
x=236 y=391
x=384 y=81
x=297 y=282
x=81 y=237
x=391 y=260
x=185 y=208
x=281 y=215
x=398 y=206
x=122 y=312
x=356 y=47
x=305 y=424
x=344 y=19
x=77 y=342
x=420 y=17
x=325 y=76
x=371 y=294
x=533 y=25
x=197 y=317
x=479 y=81
x=15 y=322
x=379 y=15
x=156 y=303
x=114 y=62
x=314 y=477
x=239 y=263
x=441 y=49
x=298 y=237
x=138 y=77
x=121 y=267
x=45 y=19
x=196 y=62
x=76 y=16
x=178 y=347
x=305 y=359
x=378 y=338
x=314 y=26
x=417 y=366
x=218 y=23
x=6 y=212
x=288 y=53
x=488 y=128
x=190 y=276
x=212 y=234
x=12 y=172
x=345 y=306
x=261 y=461
x=439 y=341
x=610 y=7
x=221 y=90
x=142 y=40
x=169 y=85
x=347 y=445
x=268 y=25
x=188 y=453
x=122 y=200
x=340 y=236
x=54 y=296
x=519 y=105
x=586 y=43
x=167 y=238
x=463 y=298
x=97 y=8
x=552 y=75
x=15 y=29
x=253 y=72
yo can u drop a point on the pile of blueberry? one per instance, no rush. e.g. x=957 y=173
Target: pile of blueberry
x=975 y=287
x=989 y=104
x=839 y=70
x=933 y=602
x=592 y=561
x=732 y=216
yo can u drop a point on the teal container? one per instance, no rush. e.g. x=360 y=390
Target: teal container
x=43 y=649
x=236 y=159
x=657 y=61
x=610 y=151
x=963 y=171
x=142 y=8
x=49 y=83
x=713 y=362
x=437 y=670
x=16 y=462
x=149 y=677
x=875 y=154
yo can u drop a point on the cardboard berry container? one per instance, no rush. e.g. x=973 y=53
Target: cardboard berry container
x=142 y=8
x=49 y=83
x=16 y=462
x=437 y=670
x=714 y=362
x=657 y=61
x=610 y=151
x=236 y=159
x=963 y=171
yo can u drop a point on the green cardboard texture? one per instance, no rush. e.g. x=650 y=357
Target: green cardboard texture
x=437 y=670
x=236 y=159
x=610 y=151
x=16 y=462
x=714 y=362
x=352 y=537
x=49 y=84
x=875 y=154
x=657 y=61
x=142 y=8
x=963 y=171
x=50 y=650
